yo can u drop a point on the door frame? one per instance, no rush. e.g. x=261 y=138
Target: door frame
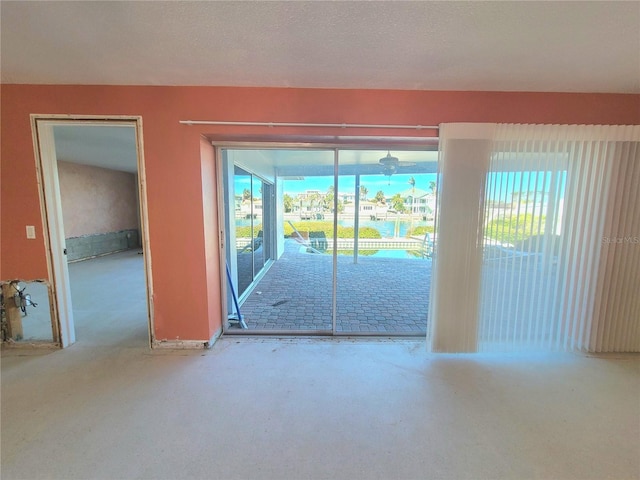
x=52 y=221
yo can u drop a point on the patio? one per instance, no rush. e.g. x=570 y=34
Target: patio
x=390 y=296
x=375 y=296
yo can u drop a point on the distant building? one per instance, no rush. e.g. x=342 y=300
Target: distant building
x=311 y=194
x=372 y=210
x=347 y=197
x=245 y=210
x=419 y=202
x=310 y=205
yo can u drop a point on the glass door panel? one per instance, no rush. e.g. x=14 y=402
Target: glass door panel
x=289 y=235
x=243 y=225
x=385 y=225
x=524 y=203
x=257 y=234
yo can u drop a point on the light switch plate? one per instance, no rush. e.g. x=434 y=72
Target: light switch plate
x=31 y=231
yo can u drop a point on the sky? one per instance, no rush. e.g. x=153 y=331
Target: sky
x=501 y=184
x=389 y=185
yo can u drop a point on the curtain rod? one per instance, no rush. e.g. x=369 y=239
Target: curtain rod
x=287 y=124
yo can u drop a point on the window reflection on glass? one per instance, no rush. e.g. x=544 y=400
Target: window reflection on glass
x=244 y=228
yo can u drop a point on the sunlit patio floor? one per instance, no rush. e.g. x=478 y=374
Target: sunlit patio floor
x=375 y=295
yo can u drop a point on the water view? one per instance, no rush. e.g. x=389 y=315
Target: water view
x=387 y=228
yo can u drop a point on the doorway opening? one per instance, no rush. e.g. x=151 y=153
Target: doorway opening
x=328 y=241
x=94 y=212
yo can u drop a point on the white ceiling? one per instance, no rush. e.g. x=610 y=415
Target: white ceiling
x=112 y=147
x=510 y=46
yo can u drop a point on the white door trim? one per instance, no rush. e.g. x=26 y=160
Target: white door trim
x=51 y=210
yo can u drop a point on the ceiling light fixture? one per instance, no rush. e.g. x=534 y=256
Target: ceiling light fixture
x=391 y=164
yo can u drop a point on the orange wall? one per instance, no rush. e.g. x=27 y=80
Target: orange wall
x=175 y=169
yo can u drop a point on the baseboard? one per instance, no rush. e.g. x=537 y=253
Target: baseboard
x=28 y=344
x=181 y=344
x=187 y=344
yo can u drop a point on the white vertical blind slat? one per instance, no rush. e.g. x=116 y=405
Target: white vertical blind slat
x=463 y=163
x=634 y=264
x=632 y=276
x=604 y=342
x=620 y=328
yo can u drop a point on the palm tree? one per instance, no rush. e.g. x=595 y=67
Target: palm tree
x=288 y=203
x=397 y=203
x=363 y=192
x=328 y=199
x=432 y=186
x=313 y=199
x=412 y=182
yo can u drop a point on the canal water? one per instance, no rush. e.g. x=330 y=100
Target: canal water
x=387 y=228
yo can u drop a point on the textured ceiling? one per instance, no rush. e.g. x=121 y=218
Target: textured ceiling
x=114 y=148
x=99 y=146
x=510 y=46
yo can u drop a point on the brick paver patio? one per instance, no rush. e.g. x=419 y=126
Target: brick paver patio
x=376 y=295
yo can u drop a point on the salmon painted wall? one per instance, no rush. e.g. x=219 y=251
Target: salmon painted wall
x=174 y=168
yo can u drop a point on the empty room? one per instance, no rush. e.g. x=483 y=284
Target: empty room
x=309 y=240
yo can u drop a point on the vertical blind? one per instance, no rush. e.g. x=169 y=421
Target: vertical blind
x=558 y=240
x=615 y=326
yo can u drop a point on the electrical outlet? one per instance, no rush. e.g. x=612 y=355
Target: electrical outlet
x=31 y=231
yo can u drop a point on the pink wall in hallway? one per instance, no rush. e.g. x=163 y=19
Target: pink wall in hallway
x=96 y=200
x=179 y=168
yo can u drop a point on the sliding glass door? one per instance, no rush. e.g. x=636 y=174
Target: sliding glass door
x=329 y=241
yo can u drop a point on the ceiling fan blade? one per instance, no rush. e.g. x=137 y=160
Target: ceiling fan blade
x=388 y=160
x=390 y=164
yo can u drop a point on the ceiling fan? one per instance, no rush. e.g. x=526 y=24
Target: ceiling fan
x=390 y=164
